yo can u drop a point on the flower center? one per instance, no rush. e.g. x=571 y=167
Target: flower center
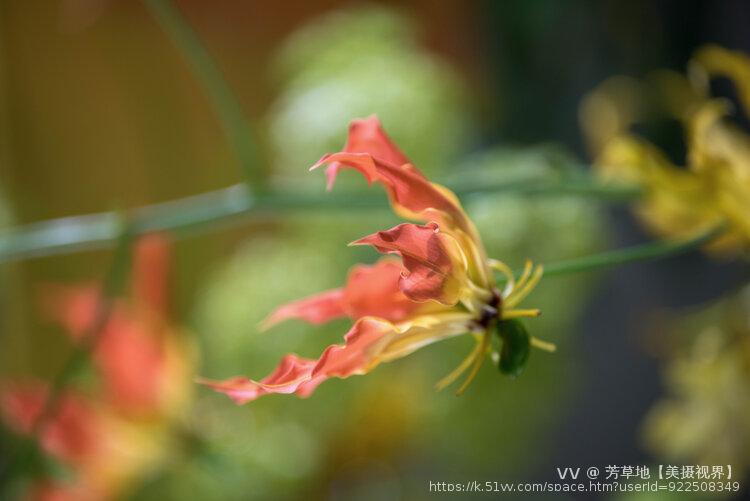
x=491 y=310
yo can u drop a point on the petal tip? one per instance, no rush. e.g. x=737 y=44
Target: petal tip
x=322 y=161
x=266 y=323
x=359 y=241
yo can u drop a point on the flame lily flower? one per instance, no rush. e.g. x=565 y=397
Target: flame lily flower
x=442 y=286
x=714 y=188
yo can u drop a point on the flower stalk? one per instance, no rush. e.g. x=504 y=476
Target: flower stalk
x=223 y=100
x=645 y=252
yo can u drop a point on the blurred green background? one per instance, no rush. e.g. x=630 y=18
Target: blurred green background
x=99 y=111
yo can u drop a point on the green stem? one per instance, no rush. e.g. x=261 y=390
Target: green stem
x=204 y=68
x=232 y=205
x=113 y=285
x=573 y=186
x=643 y=252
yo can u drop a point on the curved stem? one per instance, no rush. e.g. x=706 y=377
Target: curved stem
x=204 y=68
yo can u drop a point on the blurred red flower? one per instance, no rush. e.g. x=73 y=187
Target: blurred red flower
x=144 y=366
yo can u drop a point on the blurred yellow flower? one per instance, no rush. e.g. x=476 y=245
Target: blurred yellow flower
x=706 y=417
x=676 y=202
x=714 y=186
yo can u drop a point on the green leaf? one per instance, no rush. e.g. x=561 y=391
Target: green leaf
x=516 y=347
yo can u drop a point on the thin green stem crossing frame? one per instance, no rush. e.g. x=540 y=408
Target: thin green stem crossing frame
x=645 y=252
x=215 y=210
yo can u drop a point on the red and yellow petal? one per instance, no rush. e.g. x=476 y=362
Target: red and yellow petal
x=370 y=291
x=422 y=331
x=370 y=342
x=374 y=291
x=370 y=151
x=412 y=195
x=292 y=375
x=357 y=355
x=434 y=266
x=316 y=309
x=366 y=135
x=301 y=375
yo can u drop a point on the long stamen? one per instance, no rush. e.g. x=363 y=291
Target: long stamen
x=478 y=291
x=519 y=294
x=479 y=258
x=455 y=373
x=508 y=314
x=478 y=360
x=543 y=345
x=505 y=270
x=470 y=305
x=527 y=267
